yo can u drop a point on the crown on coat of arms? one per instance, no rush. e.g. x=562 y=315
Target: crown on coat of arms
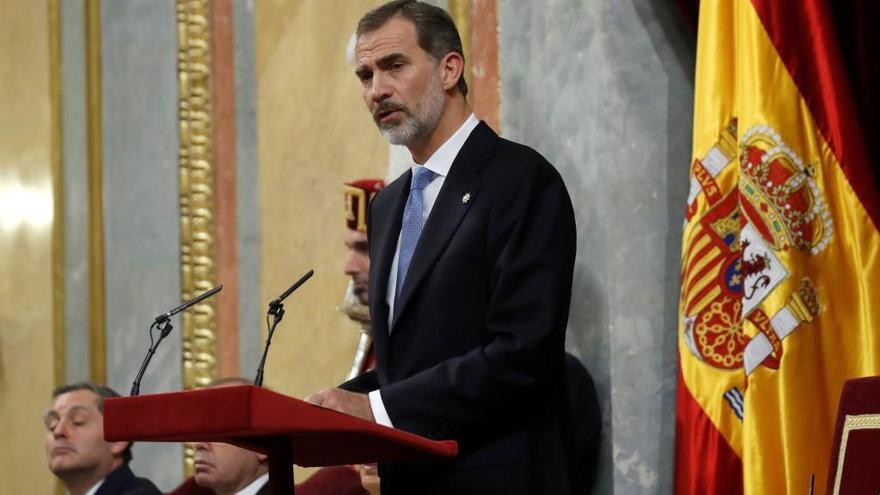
x=779 y=194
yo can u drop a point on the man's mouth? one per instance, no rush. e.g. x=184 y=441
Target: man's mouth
x=385 y=115
x=202 y=465
x=62 y=449
x=386 y=112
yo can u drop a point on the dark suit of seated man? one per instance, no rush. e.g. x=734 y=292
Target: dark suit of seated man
x=76 y=450
x=471 y=259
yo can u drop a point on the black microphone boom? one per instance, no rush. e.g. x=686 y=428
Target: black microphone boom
x=276 y=309
x=163 y=324
x=192 y=302
x=273 y=306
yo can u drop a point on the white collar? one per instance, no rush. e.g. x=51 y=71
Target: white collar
x=255 y=486
x=94 y=489
x=441 y=161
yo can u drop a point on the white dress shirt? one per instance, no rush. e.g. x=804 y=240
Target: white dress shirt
x=255 y=486
x=440 y=162
x=94 y=489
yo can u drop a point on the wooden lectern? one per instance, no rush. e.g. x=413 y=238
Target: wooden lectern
x=288 y=430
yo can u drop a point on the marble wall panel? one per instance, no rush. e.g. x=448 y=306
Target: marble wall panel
x=26 y=222
x=250 y=306
x=141 y=206
x=604 y=90
x=314 y=134
x=75 y=184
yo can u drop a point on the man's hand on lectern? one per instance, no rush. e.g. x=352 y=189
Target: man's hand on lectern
x=351 y=403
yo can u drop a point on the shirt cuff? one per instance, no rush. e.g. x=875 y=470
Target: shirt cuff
x=378 y=407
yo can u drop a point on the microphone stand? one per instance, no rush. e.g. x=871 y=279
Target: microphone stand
x=276 y=310
x=164 y=328
x=163 y=324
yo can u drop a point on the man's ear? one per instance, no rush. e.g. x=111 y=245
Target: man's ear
x=117 y=448
x=453 y=68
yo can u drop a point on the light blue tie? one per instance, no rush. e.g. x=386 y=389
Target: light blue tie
x=412 y=224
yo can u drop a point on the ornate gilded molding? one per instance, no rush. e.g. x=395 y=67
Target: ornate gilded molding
x=196 y=164
x=196 y=189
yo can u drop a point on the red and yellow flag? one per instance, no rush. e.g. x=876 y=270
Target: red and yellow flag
x=780 y=297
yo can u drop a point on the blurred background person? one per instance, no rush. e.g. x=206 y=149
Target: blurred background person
x=76 y=450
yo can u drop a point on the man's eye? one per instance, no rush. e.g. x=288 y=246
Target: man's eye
x=397 y=65
x=51 y=424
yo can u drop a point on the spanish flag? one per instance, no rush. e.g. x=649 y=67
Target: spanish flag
x=780 y=281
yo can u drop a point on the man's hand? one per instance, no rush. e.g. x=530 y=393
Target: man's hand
x=344 y=401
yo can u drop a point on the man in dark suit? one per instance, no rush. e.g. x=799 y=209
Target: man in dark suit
x=77 y=452
x=472 y=253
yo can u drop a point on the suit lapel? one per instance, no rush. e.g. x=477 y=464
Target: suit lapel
x=459 y=191
x=386 y=225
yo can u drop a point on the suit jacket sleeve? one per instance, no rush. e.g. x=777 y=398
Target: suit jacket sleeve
x=364 y=383
x=530 y=250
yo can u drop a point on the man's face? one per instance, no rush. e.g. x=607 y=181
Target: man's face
x=75 y=435
x=358 y=265
x=225 y=468
x=402 y=83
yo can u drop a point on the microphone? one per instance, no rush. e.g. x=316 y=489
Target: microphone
x=192 y=302
x=276 y=304
x=163 y=324
x=276 y=309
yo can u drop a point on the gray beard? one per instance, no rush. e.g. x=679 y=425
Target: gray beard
x=420 y=122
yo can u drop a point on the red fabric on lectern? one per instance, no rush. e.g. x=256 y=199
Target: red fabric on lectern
x=859 y=474
x=258 y=419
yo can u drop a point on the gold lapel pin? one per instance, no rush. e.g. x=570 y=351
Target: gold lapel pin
x=466 y=198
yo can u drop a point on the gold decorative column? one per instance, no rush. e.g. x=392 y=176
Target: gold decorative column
x=196 y=190
x=197 y=230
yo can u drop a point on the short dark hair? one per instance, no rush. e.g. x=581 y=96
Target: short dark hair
x=102 y=392
x=435 y=29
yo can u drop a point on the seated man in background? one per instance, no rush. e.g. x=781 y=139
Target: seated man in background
x=224 y=469
x=76 y=450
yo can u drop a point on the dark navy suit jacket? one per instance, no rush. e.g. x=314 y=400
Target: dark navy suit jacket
x=121 y=481
x=475 y=352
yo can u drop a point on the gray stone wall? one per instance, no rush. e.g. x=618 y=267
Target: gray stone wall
x=74 y=191
x=141 y=206
x=604 y=90
x=250 y=307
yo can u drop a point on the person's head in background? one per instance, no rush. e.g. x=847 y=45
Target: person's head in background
x=75 y=447
x=227 y=469
x=358 y=195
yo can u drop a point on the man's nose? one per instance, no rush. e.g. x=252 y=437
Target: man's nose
x=350 y=268
x=380 y=89
x=60 y=430
x=201 y=445
x=353 y=265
